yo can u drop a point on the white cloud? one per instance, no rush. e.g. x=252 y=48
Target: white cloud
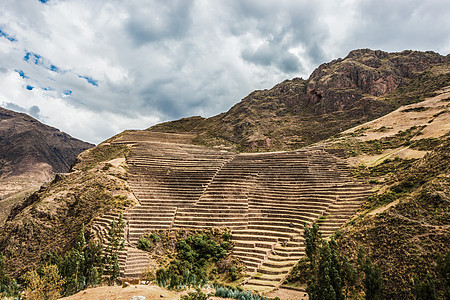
x=156 y=60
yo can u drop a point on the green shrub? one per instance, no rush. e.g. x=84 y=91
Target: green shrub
x=143 y=244
x=197 y=295
x=235 y=293
x=233 y=273
x=196 y=254
x=226 y=236
x=154 y=237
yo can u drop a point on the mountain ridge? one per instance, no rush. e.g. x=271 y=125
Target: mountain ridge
x=102 y=181
x=30 y=154
x=338 y=95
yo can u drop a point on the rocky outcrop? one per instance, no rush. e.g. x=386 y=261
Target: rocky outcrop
x=338 y=95
x=363 y=72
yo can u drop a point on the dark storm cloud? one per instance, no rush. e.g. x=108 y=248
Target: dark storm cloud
x=272 y=54
x=403 y=24
x=280 y=26
x=114 y=65
x=159 y=20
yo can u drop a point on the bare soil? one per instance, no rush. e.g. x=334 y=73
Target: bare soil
x=147 y=291
x=432 y=112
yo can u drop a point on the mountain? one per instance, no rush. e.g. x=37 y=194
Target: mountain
x=376 y=174
x=30 y=154
x=404 y=224
x=364 y=85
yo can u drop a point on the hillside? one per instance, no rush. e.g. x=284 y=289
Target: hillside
x=405 y=225
x=30 y=154
x=338 y=95
x=377 y=174
x=50 y=219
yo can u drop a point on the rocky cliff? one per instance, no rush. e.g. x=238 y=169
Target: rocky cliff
x=338 y=95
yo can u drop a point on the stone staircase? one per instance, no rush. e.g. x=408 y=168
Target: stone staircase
x=264 y=198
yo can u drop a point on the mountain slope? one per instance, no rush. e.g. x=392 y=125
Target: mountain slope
x=338 y=95
x=404 y=225
x=30 y=153
x=50 y=219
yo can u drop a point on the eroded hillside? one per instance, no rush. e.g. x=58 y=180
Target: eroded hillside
x=338 y=95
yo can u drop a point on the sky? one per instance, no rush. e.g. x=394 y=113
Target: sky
x=93 y=68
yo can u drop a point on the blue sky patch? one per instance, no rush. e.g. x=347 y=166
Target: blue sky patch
x=29 y=87
x=67 y=92
x=33 y=58
x=21 y=74
x=38 y=60
x=43 y=1
x=90 y=80
x=7 y=36
x=54 y=68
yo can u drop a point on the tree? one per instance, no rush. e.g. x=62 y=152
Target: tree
x=373 y=280
x=47 y=284
x=197 y=295
x=313 y=240
x=4 y=279
x=81 y=267
x=426 y=289
x=332 y=274
x=328 y=283
x=116 y=244
x=348 y=275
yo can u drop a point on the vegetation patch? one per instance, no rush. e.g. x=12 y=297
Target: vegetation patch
x=191 y=258
x=425 y=144
x=416 y=109
x=63 y=274
x=409 y=241
x=50 y=219
x=331 y=275
x=354 y=147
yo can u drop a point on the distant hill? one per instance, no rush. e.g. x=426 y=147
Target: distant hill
x=30 y=153
x=338 y=95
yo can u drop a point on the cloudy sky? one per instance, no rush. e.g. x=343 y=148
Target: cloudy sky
x=93 y=68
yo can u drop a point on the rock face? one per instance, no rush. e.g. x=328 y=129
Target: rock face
x=30 y=153
x=338 y=95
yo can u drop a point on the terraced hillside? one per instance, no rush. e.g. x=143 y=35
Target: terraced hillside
x=265 y=198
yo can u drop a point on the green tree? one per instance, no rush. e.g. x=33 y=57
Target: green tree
x=81 y=267
x=328 y=283
x=197 y=295
x=373 y=280
x=116 y=244
x=47 y=284
x=4 y=279
x=426 y=289
x=313 y=240
x=349 y=276
x=443 y=271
